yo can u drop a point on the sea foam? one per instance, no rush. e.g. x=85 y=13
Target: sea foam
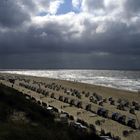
x=127 y=80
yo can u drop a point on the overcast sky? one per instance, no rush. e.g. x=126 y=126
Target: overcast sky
x=101 y=34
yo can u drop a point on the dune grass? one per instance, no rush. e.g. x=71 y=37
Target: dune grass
x=38 y=124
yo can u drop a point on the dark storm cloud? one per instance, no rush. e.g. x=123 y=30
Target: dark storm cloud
x=11 y=14
x=51 y=39
x=117 y=39
x=92 y=5
x=78 y=41
x=113 y=41
x=132 y=5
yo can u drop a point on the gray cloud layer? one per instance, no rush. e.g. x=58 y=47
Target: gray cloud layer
x=105 y=34
x=11 y=14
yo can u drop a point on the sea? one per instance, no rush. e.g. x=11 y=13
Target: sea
x=127 y=80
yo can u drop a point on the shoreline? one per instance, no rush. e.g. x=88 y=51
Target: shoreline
x=76 y=81
x=64 y=87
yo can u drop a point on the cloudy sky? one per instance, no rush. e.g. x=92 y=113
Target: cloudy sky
x=39 y=34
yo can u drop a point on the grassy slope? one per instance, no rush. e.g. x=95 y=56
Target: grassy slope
x=41 y=125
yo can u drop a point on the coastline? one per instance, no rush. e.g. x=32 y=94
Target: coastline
x=123 y=80
x=106 y=92
x=74 y=81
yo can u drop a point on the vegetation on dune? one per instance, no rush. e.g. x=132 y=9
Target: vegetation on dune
x=37 y=124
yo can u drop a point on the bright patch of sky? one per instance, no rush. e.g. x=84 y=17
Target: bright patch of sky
x=66 y=7
x=42 y=14
x=63 y=8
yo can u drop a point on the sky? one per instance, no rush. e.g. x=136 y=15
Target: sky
x=70 y=34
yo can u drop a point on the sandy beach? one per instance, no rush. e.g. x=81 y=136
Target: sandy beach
x=84 y=94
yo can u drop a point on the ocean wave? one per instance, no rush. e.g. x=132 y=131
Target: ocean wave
x=128 y=80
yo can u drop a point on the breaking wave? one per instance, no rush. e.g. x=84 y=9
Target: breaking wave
x=128 y=80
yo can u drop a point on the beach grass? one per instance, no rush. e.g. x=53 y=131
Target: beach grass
x=21 y=119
